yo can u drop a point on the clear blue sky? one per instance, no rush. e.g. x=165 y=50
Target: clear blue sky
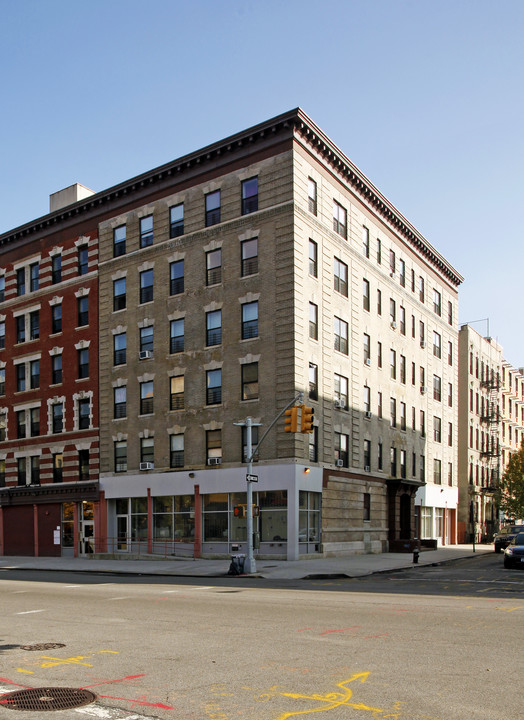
x=425 y=96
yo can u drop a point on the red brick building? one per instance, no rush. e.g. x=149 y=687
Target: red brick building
x=49 y=455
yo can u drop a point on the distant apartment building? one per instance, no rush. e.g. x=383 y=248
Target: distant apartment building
x=512 y=407
x=228 y=281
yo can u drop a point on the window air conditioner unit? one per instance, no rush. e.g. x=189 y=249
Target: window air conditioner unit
x=339 y=463
x=394 y=325
x=338 y=404
x=145 y=354
x=422 y=343
x=214 y=461
x=423 y=390
x=367 y=468
x=368 y=413
x=368 y=361
x=146 y=466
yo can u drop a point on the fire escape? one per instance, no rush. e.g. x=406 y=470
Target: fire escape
x=491 y=418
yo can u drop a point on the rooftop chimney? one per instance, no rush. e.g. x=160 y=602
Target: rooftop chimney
x=68 y=196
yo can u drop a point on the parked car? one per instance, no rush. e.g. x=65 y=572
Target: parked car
x=506 y=534
x=514 y=553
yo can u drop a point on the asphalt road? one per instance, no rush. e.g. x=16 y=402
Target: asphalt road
x=429 y=643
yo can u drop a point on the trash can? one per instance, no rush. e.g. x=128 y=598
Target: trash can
x=237 y=564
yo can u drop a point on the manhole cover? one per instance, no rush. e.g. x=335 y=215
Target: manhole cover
x=43 y=646
x=47 y=698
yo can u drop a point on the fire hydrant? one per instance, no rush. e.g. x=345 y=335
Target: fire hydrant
x=416 y=552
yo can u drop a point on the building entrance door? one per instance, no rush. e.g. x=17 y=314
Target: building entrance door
x=87 y=537
x=122 y=539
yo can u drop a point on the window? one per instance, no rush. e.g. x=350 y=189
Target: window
x=83 y=363
x=146 y=286
x=20 y=329
x=57 y=417
x=340 y=391
x=214 y=328
x=450 y=434
x=146 y=398
x=450 y=395
x=437 y=429
x=392 y=312
x=34 y=374
x=392 y=262
x=249 y=196
x=58 y=464
x=176 y=451
x=367 y=401
x=450 y=312
x=379 y=251
x=119 y=294
x=422 y=423
x=393 y=461
x=176 y=220
x=21 y=472
x=403 y=369
x=421 y=291
x=365 y=241
x=341 y=277
x=34 y=422
x=379 y=302
x=367 y=349
x=119 y=348
x=2 y=335
x=214 y=444
x=83 y=310
x=213 y=387
x=341 y=335
x=20 y=281
x=56 y=369
x=422 y=333
x=367 y=454
x=437 y=345
x=176 y=277
x=341 y=449
x=402 y=463
x=146 y=231
x=249 y=320
x=254 y=443
x=402 y=273
x=313 y=321
x=413 y=373
x=120 y=455
x=56 y=269
x=393 y=412
x=313 y=381
x=365 y=294
x=213 y=208
x=84 y=410
x=393 y=364
x=379 y=354
x=21 y=431
x=413 y=326
x=56 y=318
x=250 y=381
x=177 y=393
x=34 y=325
x=176 y=336
x=2 y=288
x=437 y=472
x=437 y=388
x=380 y=455
x=120 y=402
x=450 y=474
x=312 y=196
x=20 y=377
x=450 y=353
x=402 y=320
x=2 y=381
x=339 y=219
x=249 y=257
x=119 y=241
x=147 y=335
x=82 y=260
x=147 y=450
x=437 y=303
x=214 y=267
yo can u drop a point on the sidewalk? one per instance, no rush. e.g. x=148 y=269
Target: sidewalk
x=349 y=566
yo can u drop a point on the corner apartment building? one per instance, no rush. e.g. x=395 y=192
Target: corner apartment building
x=512 y=411
x=233 y=278
x=49 y=383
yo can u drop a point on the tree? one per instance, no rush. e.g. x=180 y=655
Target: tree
x=512 y=486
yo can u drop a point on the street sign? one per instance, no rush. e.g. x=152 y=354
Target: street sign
x=252 y=478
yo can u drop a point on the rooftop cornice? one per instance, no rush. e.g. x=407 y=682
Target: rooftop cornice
x=365 y=189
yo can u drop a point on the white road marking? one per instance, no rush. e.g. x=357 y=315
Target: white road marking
x=204 y=587
x=28 y=612
x=124 y=597
x=19 y=592
x=72 y=586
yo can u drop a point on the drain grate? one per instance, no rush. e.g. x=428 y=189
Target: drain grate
x=43 y=646
x=57 y=698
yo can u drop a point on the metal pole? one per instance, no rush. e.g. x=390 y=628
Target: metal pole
x=249 y=564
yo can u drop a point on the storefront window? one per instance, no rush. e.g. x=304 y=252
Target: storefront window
x=309 y=517
x=174 y=518
x=138 y=519
x=238 y=524
x=215 y=517
x=426 y=522
x=68 y=534
x=273 y=516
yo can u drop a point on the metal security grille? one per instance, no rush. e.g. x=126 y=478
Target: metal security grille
x=47 y=699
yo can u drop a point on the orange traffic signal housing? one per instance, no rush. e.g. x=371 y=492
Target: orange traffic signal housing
x=291 y=420
x=306 y=423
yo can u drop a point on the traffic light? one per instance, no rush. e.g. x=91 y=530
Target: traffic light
x=306 y=424
x=256 y=511
x=291 y=420
x=239 y=511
